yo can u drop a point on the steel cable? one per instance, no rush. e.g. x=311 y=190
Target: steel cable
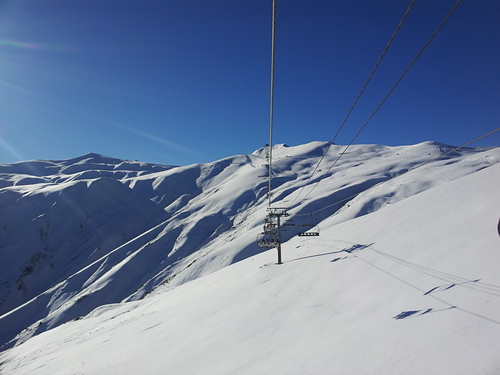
x=388 y=94
x=360 y=93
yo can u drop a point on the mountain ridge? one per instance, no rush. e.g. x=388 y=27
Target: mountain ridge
x=410 y=288
x=126 y=234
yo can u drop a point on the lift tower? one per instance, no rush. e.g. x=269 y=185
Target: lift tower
x=271 y=236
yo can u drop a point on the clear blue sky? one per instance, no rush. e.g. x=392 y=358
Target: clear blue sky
x=186 y=81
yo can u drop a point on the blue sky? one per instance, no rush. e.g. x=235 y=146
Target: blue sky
x=187 y=81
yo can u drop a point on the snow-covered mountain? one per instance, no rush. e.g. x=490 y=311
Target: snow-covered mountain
x=155 y=268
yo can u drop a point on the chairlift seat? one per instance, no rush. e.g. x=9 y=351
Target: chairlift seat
x=308 y=234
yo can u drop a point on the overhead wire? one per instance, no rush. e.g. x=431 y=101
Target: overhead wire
x=360 y=93
x=388 y=94
x=271 y=111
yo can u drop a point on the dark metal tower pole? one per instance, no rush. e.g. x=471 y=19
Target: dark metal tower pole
x=279 y=239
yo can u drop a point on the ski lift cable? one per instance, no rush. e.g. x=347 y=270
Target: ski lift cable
x=388 y=94
x=271 y=112
x=375 y=68
x=402 y=174
x=271 y=237
x=359 y=95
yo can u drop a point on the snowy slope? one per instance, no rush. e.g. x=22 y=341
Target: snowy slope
x=155 y=228
x=412 y=288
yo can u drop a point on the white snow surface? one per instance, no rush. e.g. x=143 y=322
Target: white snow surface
x=111 y=266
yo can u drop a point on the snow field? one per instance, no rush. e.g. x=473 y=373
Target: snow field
x=410 y=287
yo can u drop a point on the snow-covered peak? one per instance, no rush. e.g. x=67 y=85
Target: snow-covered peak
x=88 y=166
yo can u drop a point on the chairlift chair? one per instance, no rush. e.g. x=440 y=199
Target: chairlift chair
x=270 y=227
x=313 y=232
x=309 y=229
x=267 y=241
